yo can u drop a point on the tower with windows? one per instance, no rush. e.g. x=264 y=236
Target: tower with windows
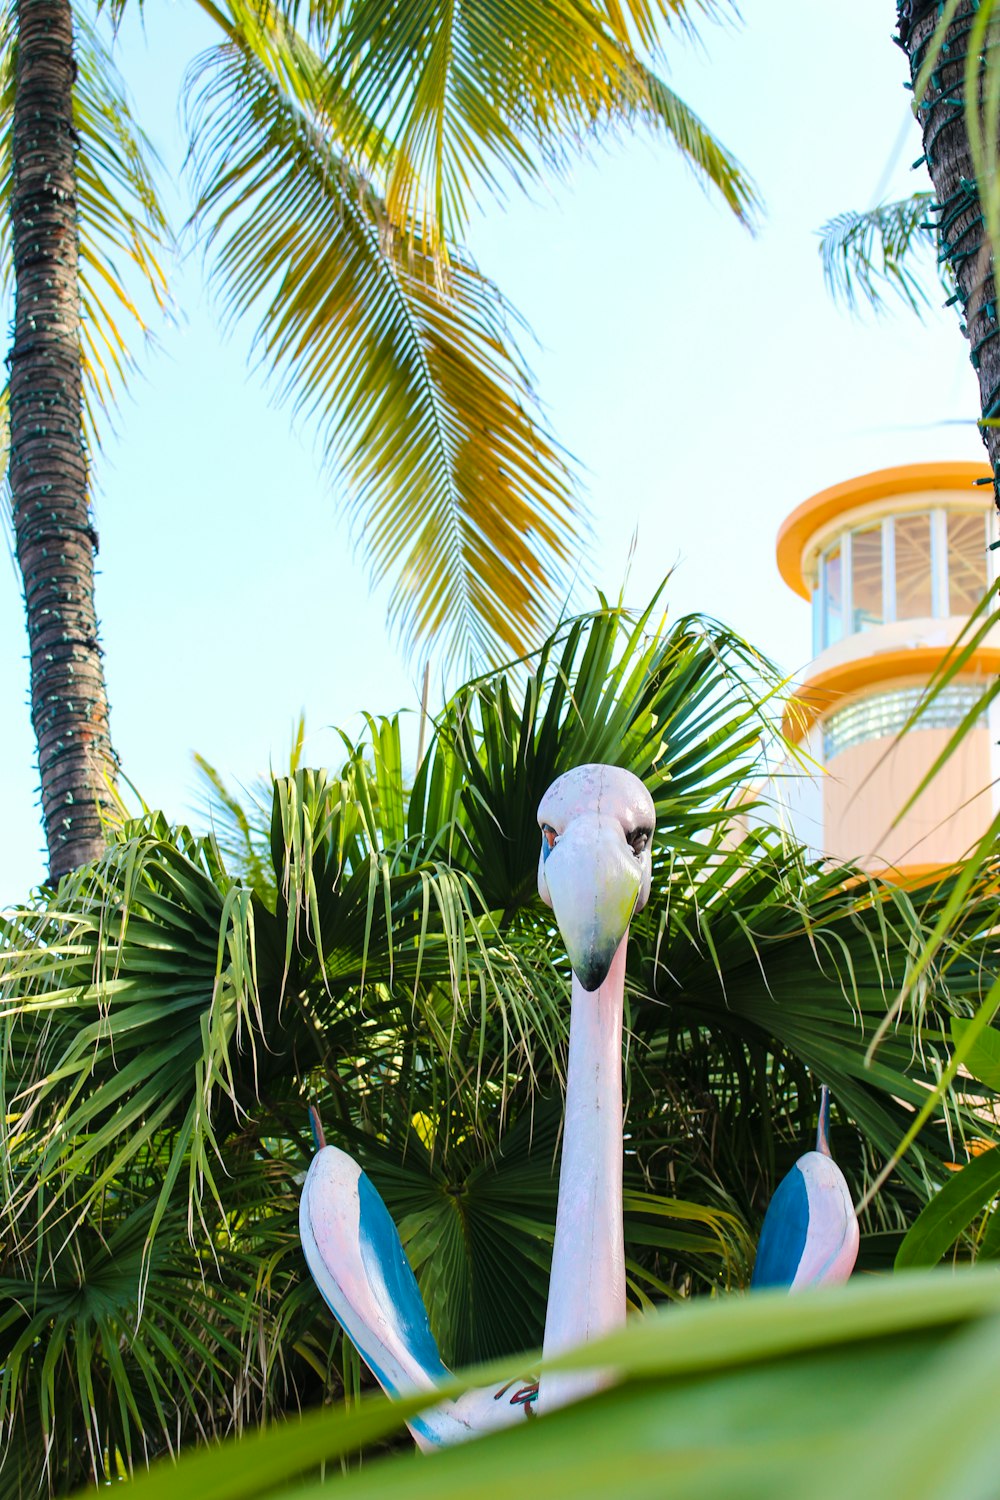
x=893 y=563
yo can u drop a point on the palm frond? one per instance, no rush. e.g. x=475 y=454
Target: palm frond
x=888 y=249
x=684 y=708
x=759 y=967
x=460 y=497
x=241 y=827
x=113 y=1350
x=641 y=21
x=713 y=164
x=151 y=951
x=479 y=95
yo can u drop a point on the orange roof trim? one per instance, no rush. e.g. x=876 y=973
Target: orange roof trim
x=827 y=689
x=816 y=512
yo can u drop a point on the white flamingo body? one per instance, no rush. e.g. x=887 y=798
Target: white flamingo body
x=358 y=1263
x=810 y=1235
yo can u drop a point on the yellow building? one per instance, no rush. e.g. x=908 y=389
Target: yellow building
x=892 y=563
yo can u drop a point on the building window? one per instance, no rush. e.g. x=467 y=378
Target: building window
x=908 y=567
x=866 y=578
x=966 y=562
x=914 y=567
x=883 y=715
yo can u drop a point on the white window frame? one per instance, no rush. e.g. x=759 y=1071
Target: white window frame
x=888 y=570
x=939 y=564
x=888 y=548
x=846 y=587
x=843 y=542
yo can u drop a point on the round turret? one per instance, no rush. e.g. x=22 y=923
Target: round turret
x=893 y=564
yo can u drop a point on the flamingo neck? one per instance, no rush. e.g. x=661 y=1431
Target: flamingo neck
x=823 y=1128
x=587 y=1286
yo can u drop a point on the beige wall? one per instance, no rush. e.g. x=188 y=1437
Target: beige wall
x=866 y=786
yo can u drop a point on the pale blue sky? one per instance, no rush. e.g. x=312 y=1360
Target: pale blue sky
x=701 y=377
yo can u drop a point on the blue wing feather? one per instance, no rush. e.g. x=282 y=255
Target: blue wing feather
x=784 y=1232
x=393 y=1281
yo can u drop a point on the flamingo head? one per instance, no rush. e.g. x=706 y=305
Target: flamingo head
x=594 y=869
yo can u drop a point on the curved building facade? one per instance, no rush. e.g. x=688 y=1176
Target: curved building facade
x=892 y=564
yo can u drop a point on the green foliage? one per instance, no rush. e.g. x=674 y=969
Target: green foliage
x=335 y=155
x=166 y=1018
x=334 y=168
x=421 y=401
x=971 y=1194
x=982 y=1057
x=885 y=250
x=332 y=189
x=887 y=1386
x=468 y=96
x=954 y=1208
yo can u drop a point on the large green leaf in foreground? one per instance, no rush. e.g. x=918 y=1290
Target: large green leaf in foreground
x=881 y=1389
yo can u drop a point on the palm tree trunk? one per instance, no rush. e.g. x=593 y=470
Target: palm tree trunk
x=48 y=465
x=962 y=237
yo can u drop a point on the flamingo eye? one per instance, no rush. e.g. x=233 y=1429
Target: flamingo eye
x=549 y=837
x=639 y=839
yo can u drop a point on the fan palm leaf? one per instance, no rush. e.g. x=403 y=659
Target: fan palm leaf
x=807 y=975
x=682 y=708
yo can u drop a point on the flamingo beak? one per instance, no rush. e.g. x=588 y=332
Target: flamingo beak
x=592 y=880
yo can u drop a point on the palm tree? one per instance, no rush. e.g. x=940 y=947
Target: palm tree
x=948 y=66
x=955 y=76
x=952 y=53
x=334 y=172
x=48 y=464
x=167 y=1018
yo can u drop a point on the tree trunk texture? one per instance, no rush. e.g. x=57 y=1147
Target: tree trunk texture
x=55 y=540
x=959 y=220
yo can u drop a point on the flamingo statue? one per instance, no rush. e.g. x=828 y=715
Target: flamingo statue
x=594 y=870
x=810 y=1232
